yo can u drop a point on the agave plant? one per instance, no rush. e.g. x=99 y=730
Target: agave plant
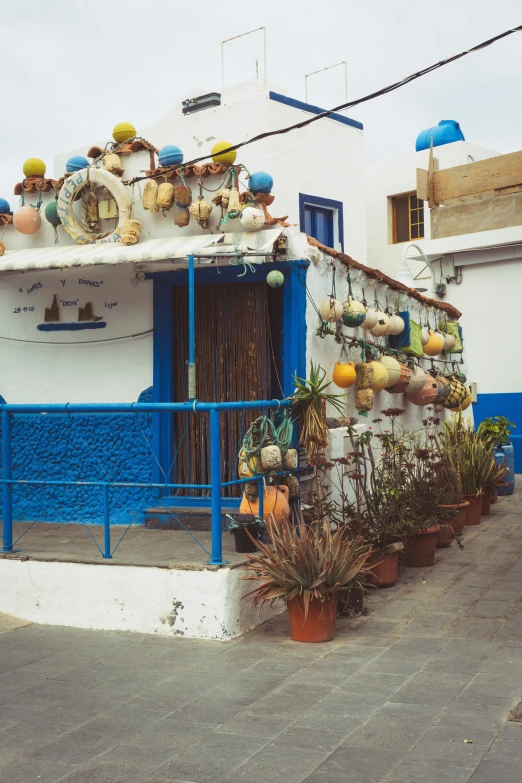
x=304 y=561
x=309 y=403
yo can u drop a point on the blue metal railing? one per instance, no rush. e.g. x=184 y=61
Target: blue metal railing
x=216 y=485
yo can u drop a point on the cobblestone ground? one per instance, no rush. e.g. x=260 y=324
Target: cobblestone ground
x=396 y=697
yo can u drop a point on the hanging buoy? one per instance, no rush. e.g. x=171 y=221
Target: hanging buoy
x=354 y=313
x=396 y=325
x=331 y=310
x=435 y=344
x=165 y=196
x=449 y=342
x=394 y=370
x=456 y=396
x=27 y=220
x=344 y=374
x=252 y=218
x=382 y=326
x=123 y=131
x=219 y=157
x=182 y=196
x=34 y=167
x=51 y=214
x=169 y=155
x=370 y=320
x=112 y=164
x=4 y=207
x=444 y=389
x=380 y=376
x=402 y=383
x=76 y=163
x=417 y=379
x=425 y=335
x=426 y=395
x=200 y=211
x=468 y=399
x=150 y=196
x=260 y=182
x=2 y=248
x=275 y=278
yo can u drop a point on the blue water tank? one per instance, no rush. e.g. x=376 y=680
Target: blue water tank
x=506 y=454
x=446 y=132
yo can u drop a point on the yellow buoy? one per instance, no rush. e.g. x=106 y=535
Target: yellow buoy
x=466 y=402
x=123 y=131
x=228 y=157
x=34 y=167
x=380 y=376
x=344 y=374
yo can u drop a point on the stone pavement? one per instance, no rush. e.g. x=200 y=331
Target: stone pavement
x=393 y=699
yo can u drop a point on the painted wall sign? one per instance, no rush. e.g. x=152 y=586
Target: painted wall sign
x=86 y=317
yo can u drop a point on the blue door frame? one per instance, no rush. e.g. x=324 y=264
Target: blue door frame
x=293 y=349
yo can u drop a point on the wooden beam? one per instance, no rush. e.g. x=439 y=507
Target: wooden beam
x=475 y=216
x=503 y=171
x=422 y=184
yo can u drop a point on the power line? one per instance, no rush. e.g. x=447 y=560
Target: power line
x=383 y=91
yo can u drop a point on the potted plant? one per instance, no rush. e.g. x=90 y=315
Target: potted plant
x=422 y=501
x=496 y=430
x=452 y=507
x=494 y=481
x=306 y=566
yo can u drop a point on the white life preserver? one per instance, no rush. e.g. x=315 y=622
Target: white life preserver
x=70 y=189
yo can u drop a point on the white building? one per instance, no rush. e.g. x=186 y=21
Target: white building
x=481 y=271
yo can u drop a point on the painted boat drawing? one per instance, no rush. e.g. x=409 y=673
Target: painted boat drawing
x=86 y=319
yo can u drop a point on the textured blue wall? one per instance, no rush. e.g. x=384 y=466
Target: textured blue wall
x=81 y=447
x=507 y=404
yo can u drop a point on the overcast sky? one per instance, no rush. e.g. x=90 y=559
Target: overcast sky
x=73 y=69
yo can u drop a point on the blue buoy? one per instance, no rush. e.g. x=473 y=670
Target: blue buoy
x=170 y=156
x=76 y=163
x=4 y=207
x=260 y=182
x=446 y=132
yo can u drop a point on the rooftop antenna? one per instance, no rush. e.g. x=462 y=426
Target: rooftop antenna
x=242 y=36
x=328 y=67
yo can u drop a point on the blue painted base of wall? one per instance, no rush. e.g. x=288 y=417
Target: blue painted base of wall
x=82 y=447
x=508 y=404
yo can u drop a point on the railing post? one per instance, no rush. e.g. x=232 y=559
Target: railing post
x=215 y=481
x=191 y=380
x=261 y=498
x=106 y=524
x=8 y=488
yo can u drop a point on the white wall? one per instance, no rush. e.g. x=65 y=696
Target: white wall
x=202 y=604
x=89 y=371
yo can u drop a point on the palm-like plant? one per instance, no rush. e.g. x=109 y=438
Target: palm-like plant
x=309 y=403
x=466 y=449
x=305 y=561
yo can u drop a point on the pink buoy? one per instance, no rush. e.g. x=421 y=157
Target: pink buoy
x=27 y=220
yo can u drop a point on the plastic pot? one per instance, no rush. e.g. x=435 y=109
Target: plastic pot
x=242 y=541
x=446 y=533
x=385 y=572
x=486 y=503
x=351 y=602
x=460 y=517
x=474 y=510
x=421 y=551
x=319 y=625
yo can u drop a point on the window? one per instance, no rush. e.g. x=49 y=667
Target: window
x=408 y=218
x=322 y=218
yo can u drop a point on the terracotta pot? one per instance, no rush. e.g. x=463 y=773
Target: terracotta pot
x=241 y=539
x=386 y=571
x=474 y=511
x=460 y=517
x=486 y=503
x=351 y=603
x=421 y=551
x=319 y=625
x=446 y=533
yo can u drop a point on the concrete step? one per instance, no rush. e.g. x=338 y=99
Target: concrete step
x=192 y=517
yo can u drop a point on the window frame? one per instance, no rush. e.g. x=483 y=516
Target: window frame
x=393 y=200
x=336 y=207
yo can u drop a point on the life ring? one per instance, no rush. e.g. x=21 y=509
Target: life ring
x=70 y=189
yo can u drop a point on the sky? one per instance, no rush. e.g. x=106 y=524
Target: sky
x=73 y=70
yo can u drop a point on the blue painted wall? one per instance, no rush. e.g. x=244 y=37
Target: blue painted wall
x=506 y=404
x=81 y=447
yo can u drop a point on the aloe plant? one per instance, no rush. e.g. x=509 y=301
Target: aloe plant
x=309 y=403
x=308 y=562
